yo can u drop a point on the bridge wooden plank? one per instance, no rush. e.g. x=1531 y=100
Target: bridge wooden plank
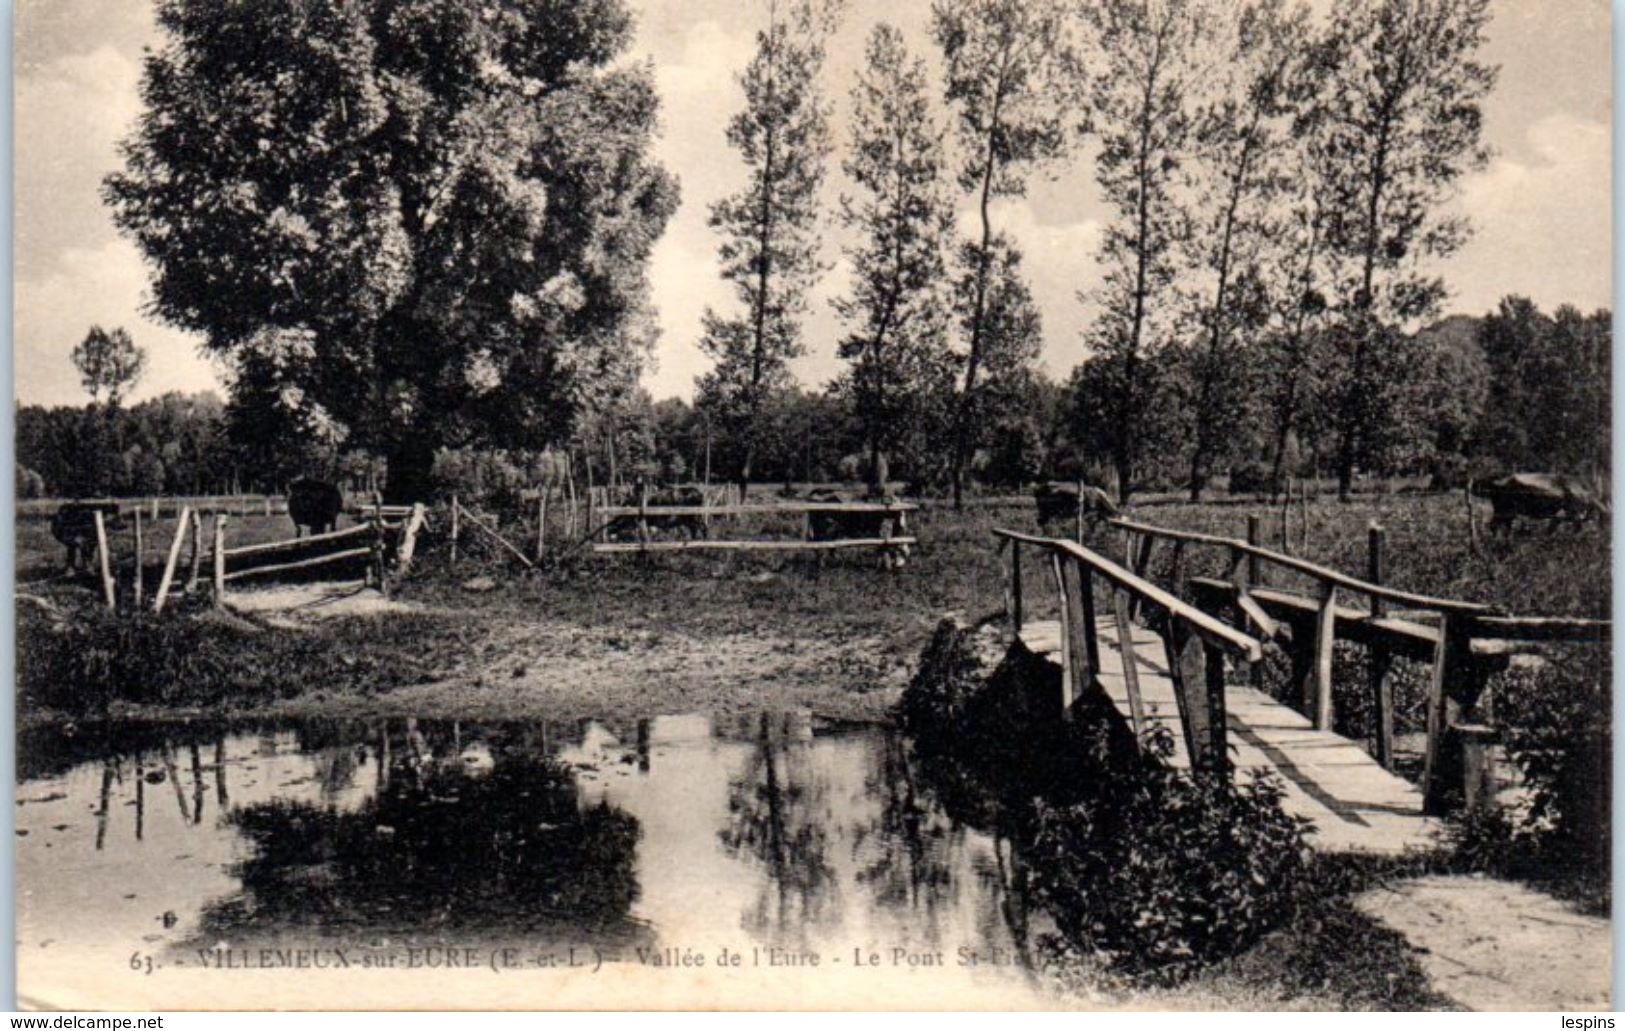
x=1353 y=803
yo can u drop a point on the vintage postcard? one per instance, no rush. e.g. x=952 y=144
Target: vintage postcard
x=813 y=504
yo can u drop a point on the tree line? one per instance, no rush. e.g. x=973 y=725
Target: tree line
x=437 y=245
x=1515 y=389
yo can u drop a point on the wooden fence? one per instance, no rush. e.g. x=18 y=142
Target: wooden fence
x=1464 y=642
x=1198 y=643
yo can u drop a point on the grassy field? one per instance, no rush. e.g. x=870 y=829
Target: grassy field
x=624 y=634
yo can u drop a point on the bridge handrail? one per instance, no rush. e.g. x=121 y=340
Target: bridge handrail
x=1323 y=573
x=1211 y=629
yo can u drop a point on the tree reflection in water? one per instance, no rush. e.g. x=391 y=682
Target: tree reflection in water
x=916 y=850
x=497 y=852
x=778 y=815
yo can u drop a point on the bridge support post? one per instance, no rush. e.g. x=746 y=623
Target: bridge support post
x=1454 y=714
x=1197 y=673
x=1378 y=659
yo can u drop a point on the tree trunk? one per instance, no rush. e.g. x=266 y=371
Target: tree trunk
x=410 y=476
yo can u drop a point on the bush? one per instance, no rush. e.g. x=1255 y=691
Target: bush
x=1165 y=871
x=1555 y=720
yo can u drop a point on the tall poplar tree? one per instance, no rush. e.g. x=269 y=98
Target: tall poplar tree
x=1242 y=155
x=1144 y=73
x=770 y=238
x=895 y=312
x=1008 y=91
x=1395 y=123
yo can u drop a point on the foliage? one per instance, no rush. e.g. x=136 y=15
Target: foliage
x=454 y=208
x=108 y=362
x=1146 y=55
x=769 y=229
x=1556 y=724
x=1548 y=405
x=897 y=334
x=1008 y=91
x=1165 y=872
x=1240 y=150
x=1392 y=122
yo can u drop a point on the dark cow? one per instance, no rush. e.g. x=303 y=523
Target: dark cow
x=625 y=528
x=74 y=525
x=1062 y=502
x=314 y=505
x=871 y=525
x=1549 y=497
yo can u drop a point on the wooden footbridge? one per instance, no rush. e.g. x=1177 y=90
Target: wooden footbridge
x=1194 y=666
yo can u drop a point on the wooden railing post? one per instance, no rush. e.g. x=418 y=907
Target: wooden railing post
x=1197 y=673
x=1069 y=671
x=1013 y=603
x=108 y=592
x=1378 y=659
x=1131 y=660
x=197 y=552
x=1319 y=702
x=220 y=560
x=1255 y=575
x=541 y=524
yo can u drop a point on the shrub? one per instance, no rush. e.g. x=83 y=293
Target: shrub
x=1556 y=722
x=1165 y=871
x=1256 y=477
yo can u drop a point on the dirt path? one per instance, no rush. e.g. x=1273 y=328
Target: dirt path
x=1494 y=945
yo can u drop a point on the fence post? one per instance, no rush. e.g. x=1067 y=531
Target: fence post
x=541 y=524
x=643 y=511
x=169 y=564
x=220 y=559
x=455 y=527
x=106 y=571
x=1255 y=574
x=140 y=556
x=155 y=509
x=197 y=550
x=1378 y=659
x=378 y=549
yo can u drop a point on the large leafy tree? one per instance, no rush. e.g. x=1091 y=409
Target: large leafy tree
x=1008 y=93
x=895 y=313
x=453 y=202
x=769 y=229
x=1393 y=125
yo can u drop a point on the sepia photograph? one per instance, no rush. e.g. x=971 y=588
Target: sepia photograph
x=813 y=505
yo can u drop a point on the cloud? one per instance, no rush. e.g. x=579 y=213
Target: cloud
x=71 y=112
x=104 y=285
x=1542 y=222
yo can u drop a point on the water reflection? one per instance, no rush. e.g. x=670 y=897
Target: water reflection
x=676 y=831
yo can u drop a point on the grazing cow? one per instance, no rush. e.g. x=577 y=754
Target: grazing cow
x=314 y=505
x=1058 y=502
x=74 y=525
x=836 y=526
x=625 y=528
x=1549 y=497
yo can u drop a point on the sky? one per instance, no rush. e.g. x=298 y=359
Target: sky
x=1541 y=208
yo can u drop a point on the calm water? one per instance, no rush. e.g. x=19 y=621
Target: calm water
x=562 y=843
